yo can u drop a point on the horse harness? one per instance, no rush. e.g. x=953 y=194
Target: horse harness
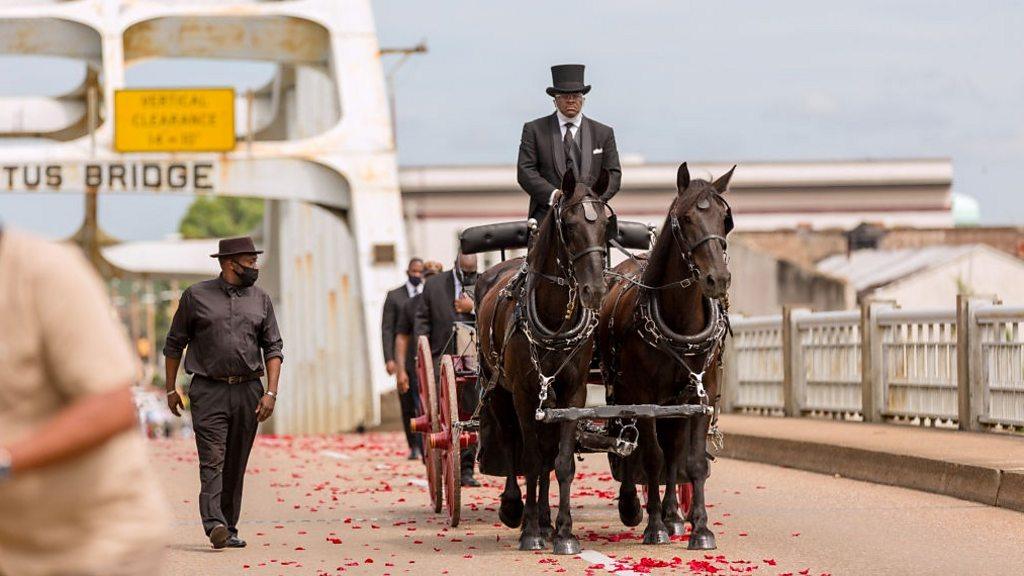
x=655 y=333
x=520 y=289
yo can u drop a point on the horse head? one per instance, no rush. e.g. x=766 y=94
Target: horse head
x=700 y=219
x=584 y=223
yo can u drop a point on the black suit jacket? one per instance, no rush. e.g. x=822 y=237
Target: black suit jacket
x=542 y=159
x=389 y=319
x=435 y=315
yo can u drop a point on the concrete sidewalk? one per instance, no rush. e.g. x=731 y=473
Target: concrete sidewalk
x=981 y=467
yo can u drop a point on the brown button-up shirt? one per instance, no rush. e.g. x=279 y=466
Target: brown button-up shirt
x=100 y=513
x=225 y=328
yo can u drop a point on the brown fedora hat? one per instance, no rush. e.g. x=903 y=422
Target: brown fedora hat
x=236 y=246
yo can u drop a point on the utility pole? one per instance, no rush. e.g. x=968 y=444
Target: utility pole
x=405 y=54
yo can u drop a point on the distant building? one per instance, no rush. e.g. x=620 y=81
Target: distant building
x=927 y=277
x=441 y=200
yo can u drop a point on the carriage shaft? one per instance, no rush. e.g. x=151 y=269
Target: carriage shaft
x=625 y=411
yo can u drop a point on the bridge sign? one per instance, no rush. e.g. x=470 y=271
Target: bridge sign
x=174 y=120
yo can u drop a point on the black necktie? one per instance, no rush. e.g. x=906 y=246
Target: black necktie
x=571 y=154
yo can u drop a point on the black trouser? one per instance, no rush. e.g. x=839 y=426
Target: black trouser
x=469 y=397
x=410 y=402
x=225 y=422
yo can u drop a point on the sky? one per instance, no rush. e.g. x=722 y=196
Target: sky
x=679 y=80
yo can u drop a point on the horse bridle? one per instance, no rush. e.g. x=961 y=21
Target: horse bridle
x=602 y=248
x=587 y=204
x=686 y=252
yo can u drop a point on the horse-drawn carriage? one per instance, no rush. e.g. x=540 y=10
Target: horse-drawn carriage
x=529 y=368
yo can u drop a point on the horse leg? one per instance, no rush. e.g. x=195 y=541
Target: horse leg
x=653 y=460
x=530 y=538
x=670 y=504
x=701 y=538
x=544 y=505
x=565 y=471
x=511 y=511
x=630 y=512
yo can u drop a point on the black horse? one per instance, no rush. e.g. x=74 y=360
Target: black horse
x=535 y=323
x=661 y=333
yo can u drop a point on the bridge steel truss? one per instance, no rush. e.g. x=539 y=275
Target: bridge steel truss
x=317 y=145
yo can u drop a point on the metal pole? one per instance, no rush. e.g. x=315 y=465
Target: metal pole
x=92 y=116
x=406 y=53
x=250 y=122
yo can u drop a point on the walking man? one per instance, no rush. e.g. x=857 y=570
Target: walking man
x=405 y=355
x=229 y=327
x=393 y=304
x=448 y=298
x=565 y=140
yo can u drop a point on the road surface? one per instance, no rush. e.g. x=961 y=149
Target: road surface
x=352 y=504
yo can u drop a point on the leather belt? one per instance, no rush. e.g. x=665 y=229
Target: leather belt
x=237 y=379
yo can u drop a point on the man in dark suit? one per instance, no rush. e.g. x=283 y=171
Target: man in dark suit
x=389 y=322
x=408 y=383
x=447 y=298
x=565 y=140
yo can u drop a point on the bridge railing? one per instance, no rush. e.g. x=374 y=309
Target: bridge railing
x=960 y=366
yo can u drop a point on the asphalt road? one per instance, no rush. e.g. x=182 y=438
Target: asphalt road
x=354 y=505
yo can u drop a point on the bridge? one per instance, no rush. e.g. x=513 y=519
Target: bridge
x=880 y=440
x=315 y=142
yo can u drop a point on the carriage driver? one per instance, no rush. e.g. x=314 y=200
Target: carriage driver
x=565 y=140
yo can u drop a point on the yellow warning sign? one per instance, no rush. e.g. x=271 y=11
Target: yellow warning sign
x=174 y=120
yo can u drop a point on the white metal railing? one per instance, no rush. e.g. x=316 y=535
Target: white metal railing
x=758 y=368
x=963 y=364
x=918 y=357
x=1000 y=345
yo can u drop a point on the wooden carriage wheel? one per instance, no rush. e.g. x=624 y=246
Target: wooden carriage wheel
x=427 y=393
x=452 y=456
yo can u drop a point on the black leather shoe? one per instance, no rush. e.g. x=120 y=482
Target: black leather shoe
x=219 y=536
x=468 y=481
x=235 y=542
x=414 y=454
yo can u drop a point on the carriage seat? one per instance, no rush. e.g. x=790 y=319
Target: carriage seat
x=493 y=237
x=515 y=235
x=633 y=235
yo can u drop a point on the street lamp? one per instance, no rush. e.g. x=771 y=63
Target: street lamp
x=405 y=54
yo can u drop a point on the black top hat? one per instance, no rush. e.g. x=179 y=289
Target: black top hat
x=567 y=79
x=236 y=246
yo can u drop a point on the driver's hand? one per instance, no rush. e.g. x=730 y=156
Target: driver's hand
x=464 y=304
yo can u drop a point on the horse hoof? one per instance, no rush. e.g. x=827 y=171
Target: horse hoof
x=567 y=546
x=531 y=543
x=675 y=527
x=705 y=541
x=511 y=512
x=630 y=511
x=656 y=536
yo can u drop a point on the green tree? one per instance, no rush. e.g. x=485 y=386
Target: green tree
x=221 y=217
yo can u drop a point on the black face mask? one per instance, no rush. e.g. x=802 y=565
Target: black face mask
x=415 y=280
x=248 y=276
x=467 y=278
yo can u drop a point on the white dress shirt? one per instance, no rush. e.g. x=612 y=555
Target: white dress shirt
x=574 y=125
x=413 y=290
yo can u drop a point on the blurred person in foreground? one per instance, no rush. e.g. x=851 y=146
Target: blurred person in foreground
x=229 y=328
x=405 y=360
x=76 y=493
